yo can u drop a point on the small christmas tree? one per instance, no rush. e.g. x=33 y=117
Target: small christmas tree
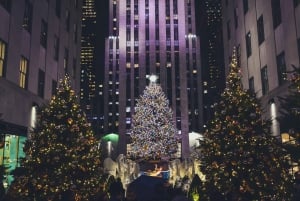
x=290 y=115
x=61 y=152
x=153 y=131
x=240 y=158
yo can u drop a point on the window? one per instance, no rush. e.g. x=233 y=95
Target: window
x=74 y=68
x=248 y=44
x=251 y=85
x=44 y=30
x=76 y=3
x=54 y=86
x=66 y=60
x=235 y=18
x=67 y=20
x=23 y=72
x=57 y=8
x=264 y=80
x=41 y=83
x=298 y=41
x=27 y=19
x=276 y=13
x=260 y=30
x=56 y=47
x=75 y=31
x=245 y=6
x=3 y=52
x=6 y=4
x=281 y=68
x=228 y=30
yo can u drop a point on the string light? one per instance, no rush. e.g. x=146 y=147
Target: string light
x=62 y=152
x=238 y=153
x=153 y=131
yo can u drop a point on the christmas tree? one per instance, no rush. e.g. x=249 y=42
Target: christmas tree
x=290 y=115
x=61 y=152
x=240 y=158
x=153 y=132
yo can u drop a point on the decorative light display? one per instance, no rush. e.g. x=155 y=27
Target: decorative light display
x=153 y=132
x=290 y=116
x=240 y=158
x=61 y=153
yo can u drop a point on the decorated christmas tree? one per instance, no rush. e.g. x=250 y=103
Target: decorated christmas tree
x=61 y=153
x=290 y=116
x=153 y=132
x=240 y=158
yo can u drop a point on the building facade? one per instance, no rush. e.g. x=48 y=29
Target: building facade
x=39 y=44
x=152 y=37
x=88 y=42
x=209 y=17
x=90 y=99
x=267 y=36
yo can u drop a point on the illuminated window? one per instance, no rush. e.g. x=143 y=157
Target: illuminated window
x=23 y=72
x=11 y=154
x=3 y=50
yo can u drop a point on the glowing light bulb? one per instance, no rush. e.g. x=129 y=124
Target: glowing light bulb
x=153 y=78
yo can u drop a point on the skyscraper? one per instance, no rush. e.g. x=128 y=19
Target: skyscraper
x=88 y=64
x=209 y=23
x=152 y=37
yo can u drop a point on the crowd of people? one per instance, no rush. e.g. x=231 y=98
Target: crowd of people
x=161 y=192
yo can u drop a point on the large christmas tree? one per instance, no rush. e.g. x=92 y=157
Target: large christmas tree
x=61 y=152
x=153 y=132
x=290 y=115
x=240 y=158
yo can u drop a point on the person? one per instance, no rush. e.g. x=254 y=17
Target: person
x=131 y=194
x=116 y=191
x=68 y=196
x=102 y=196
x=178 y=195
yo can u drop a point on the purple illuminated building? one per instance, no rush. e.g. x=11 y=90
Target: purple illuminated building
x=152 y=37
